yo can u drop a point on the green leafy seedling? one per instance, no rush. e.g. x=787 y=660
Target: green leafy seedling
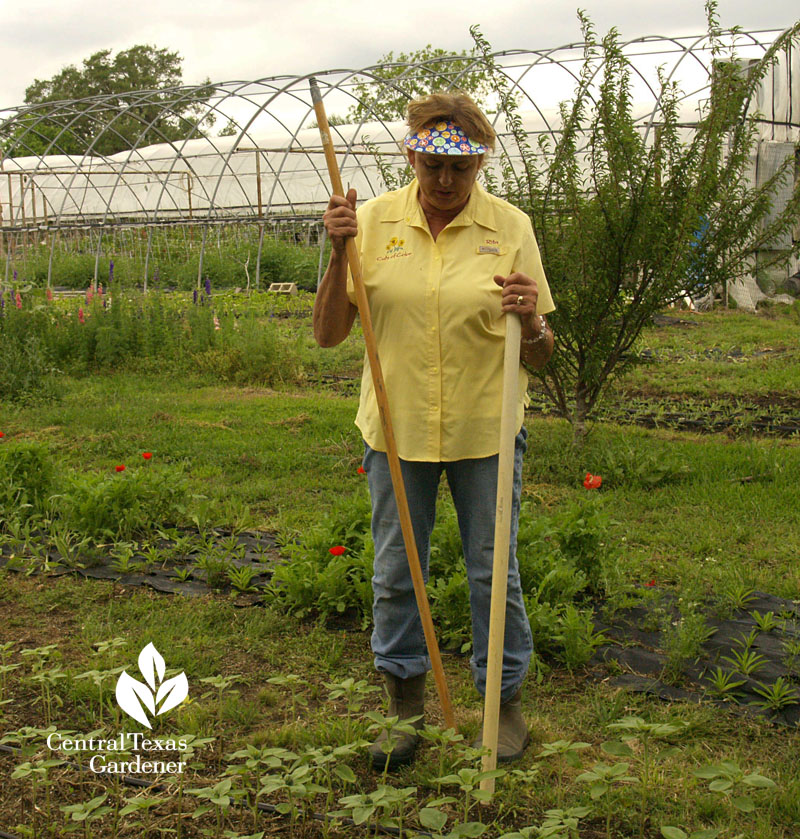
x=723 y=685
x=728 y=780
x=219 y=798
x=88 y=811
x=781 y=694
x=442 y=738
x=242 y=578
x=567 y=750
x=293 y=681
x=468 y=780
x=601 y=777
x=745 y=661
x=392 y=726
x=676 y=833
x=635 y=728
x=765 y=622
x=38 y=772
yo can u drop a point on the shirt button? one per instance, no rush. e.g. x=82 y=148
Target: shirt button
x=434 y=369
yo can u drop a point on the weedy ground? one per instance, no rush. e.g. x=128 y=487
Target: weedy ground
x=704 y=515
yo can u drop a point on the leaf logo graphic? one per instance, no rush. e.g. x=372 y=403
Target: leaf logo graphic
x=157 y=696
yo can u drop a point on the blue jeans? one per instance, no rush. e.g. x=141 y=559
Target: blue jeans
x=397 y=640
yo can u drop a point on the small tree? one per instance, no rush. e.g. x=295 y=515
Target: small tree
x=115 y=103
x=624 y=218
x=410 y=75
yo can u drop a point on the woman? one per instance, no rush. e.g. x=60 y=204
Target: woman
x=443 y=262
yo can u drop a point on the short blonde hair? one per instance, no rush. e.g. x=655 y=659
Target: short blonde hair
x=453 y=107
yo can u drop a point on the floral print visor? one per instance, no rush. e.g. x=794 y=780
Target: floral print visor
x=443 y=138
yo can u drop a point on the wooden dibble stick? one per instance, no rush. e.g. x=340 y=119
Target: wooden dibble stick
x=502 y=542
x=386 y=421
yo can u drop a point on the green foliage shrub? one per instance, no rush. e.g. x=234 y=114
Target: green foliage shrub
x=174 y=261
x=26 y=478
x=222 y=338
x=255 y=353
x=26 y=366
x=71 y=269
x=563 y=560
x=630 y=465
x=450 y=609
x=124 y=504
x=314 y=581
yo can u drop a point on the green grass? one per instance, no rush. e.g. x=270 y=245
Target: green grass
x=772 y=332
x=271 y=451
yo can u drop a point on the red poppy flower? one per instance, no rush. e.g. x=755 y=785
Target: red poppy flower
x=337 y=550
x=362 y=470
x=1 y=434
x=147 y=455
x=650 y=584
x=592 y=481
x=120 y=468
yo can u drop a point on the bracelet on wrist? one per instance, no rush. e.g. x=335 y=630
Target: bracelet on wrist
x=539 y=336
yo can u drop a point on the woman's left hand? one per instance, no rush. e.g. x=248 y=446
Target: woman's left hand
x=520 y=294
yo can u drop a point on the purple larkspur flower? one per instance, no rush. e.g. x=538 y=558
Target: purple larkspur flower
x=208 y=287
x=111 y=271
x=194 y=297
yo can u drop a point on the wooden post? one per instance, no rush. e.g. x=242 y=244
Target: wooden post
x=386 y=423
x=502 y=544
x=22 y=210
x=12 y=241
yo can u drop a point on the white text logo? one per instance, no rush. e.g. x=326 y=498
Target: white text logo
x=157 y=696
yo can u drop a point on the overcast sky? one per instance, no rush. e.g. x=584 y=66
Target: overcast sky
x=250 y=39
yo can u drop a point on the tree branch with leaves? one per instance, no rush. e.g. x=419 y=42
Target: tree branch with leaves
x=629 y=219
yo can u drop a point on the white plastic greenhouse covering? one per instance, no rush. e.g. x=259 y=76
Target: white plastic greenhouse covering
x=274 y=171
x=214 y=178
x=271 y=170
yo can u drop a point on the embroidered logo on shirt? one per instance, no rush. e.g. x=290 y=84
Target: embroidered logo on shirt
x=395 y=249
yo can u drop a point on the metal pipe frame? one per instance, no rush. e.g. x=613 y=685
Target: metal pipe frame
x=211 y=181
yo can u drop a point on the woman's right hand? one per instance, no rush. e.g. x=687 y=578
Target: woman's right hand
x=340 y=219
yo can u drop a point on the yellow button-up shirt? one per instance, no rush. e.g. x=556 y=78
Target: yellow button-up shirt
x=438 y=323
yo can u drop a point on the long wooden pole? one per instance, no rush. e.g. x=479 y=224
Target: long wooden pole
x=502 y=542
x=386 y=422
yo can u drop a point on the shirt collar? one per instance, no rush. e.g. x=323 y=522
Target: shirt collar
x=405 y=206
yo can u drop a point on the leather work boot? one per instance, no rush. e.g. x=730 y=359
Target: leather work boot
x=406 y=699
x=512 y=734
